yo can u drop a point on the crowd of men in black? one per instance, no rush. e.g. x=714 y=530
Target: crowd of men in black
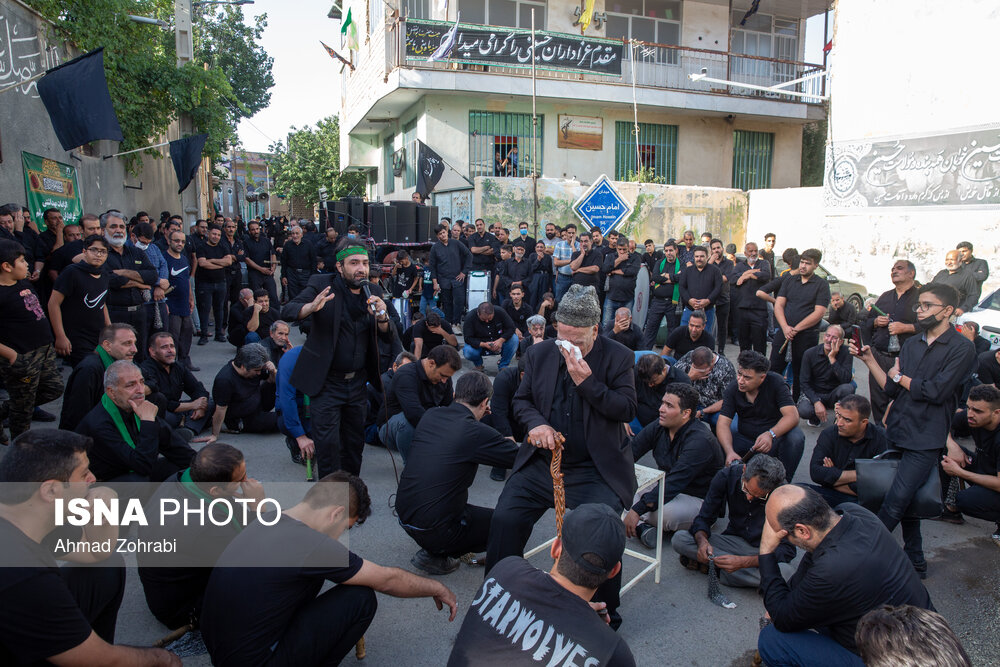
x=121 y=307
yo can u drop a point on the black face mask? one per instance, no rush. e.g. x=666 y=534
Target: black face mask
x=926 y=323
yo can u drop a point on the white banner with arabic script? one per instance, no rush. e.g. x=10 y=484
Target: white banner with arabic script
x=956 y=169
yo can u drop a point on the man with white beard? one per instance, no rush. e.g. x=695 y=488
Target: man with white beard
x=131 y=272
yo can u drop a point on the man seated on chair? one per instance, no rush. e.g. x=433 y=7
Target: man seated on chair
x=238 y=392
x=433 y=496
x=758 y=414
x=982 y=497
x=852 y=437
x=62 y=615
x=826 y=373
x=685 y=449
x=415 y=389
x=171 y=379
x=263 y=603
x=652 y=375
x=174 y=584
x=624 y=330
x=740 y=492
x=852 y=565
x=711 y=374
x=130 y=443
x=488 y=330
x=685 y=338
x=588 y=554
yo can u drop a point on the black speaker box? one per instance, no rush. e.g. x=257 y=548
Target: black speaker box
x=339 y=215
x=355 y=210
x=383 y=223
x=406 y=221
x=427 y=220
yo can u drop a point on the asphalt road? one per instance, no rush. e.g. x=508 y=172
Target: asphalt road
x=670 y=623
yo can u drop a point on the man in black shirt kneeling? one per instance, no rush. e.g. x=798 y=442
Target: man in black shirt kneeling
x=433 y=497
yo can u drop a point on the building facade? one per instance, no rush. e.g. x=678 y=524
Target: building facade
x=474 y=107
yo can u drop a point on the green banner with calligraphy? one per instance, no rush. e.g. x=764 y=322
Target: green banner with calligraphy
x=50 y=184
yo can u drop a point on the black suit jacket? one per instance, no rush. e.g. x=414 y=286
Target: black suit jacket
x=314 y=361
x=609 y=402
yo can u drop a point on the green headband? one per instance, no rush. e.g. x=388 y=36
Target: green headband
x=351 y=250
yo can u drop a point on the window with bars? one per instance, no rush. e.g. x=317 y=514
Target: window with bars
x=657 y=150
x=500 y=144
x=387 y=151
x=410 y=145
x=753 y=153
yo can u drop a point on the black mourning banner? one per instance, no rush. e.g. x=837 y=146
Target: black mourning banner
x=76 y=96
x=186 y=155
x=512 y=48
x=430 y=167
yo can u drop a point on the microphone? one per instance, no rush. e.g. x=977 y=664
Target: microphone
x=366 y=287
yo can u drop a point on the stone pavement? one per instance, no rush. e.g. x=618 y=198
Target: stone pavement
x=672 y=623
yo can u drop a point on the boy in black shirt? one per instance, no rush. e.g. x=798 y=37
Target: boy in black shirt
x=76 y=307
x=404 y=275
x=66 y=615
x=27 y=356
x=802 y=301
x=589 y=553
x=519 y=310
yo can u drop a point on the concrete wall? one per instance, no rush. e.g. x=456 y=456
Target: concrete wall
x=705 y=26
x=25 y=126
x=659 y=212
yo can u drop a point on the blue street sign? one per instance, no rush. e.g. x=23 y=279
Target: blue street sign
x=601 y=206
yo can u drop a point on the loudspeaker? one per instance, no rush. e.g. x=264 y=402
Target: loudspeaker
x=383 y=223
x=339 y=215
x=427 y=220
x=406 y=221
x=355 y=210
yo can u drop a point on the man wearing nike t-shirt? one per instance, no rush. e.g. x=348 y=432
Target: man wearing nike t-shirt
x=76 y=308
x=180 y=300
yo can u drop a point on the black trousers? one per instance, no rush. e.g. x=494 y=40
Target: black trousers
x=753 y=331
x=803 y=341
x=211 y=301
x=137 y=318
x=526 y=497
x=980 y=502
x=175 y=604
x=182 y=328
x=338 y=424
x=258 y=280
x=179 y=419
x=879 y=399
x=297 y=281
x=98 y=590
x=914 y=468
x=453 y=302
x=658 y=309
x=325 y=629
x=467 y=533
x=721 y=326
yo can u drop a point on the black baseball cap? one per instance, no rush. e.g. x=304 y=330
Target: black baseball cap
x=596 y=530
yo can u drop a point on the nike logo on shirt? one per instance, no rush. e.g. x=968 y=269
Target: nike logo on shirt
x=92 y=303
x=177 y=272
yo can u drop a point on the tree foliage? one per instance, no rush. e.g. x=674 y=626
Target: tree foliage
x=147 y=89
x=311 y=161
x=813 y=154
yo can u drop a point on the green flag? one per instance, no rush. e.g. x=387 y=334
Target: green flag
x=349 y=31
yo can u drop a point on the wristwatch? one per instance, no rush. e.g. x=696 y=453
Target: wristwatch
x=773 y=435
x=897 y=377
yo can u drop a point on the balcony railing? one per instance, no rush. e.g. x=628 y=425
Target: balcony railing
x=660 y=66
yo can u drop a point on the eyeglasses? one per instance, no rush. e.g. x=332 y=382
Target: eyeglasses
x=97 y=251
x=921 y=305
x=743 y=487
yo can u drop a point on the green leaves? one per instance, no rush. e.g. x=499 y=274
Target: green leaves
x=147 y=88
x=311 y=161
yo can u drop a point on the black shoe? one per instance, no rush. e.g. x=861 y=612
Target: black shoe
x=185 y=433
x=297 y=458
x=921 y=569
x=615 y=620
x=203 y=340
x=193 y=369
x=40 y=415
x=436 y=565
x=694 y=565
x=221 y=339
x=498 y=474
x=951 y=516
x=646 y=534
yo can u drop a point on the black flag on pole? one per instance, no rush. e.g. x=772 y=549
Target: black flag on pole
x=76 y=96
x=430 y=168
x=186 y=155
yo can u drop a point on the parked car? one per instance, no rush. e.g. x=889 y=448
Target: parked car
x=987 y=316
x=853 y=293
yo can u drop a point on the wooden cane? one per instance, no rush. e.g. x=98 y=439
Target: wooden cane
x=558 y=487
x=173 y=636
x=359 y=649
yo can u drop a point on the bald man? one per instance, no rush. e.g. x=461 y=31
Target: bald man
x=962 y=279
x=852 y=565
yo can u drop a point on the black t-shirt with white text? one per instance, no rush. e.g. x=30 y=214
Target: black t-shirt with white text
x=403 y=280
x=24 y=326
x=521 y=616
x=39 y=617
x=83 y=302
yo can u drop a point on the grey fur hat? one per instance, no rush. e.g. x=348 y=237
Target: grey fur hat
x=579 y=307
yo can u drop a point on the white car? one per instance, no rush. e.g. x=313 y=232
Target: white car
x=987 y=316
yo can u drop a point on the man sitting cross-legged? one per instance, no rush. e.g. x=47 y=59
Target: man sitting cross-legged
x=852 y=437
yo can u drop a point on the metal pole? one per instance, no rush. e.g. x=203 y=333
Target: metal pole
x=534 y=134
x=826 y=40
x=267 y=172
x=635 y=114
x=24 y=81
x=145 y=148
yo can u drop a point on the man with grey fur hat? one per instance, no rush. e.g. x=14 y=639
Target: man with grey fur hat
x=588 y=400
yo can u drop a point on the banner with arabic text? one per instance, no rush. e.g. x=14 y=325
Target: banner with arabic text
x=954 y=169
x=511 y=47
x=50 y=184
